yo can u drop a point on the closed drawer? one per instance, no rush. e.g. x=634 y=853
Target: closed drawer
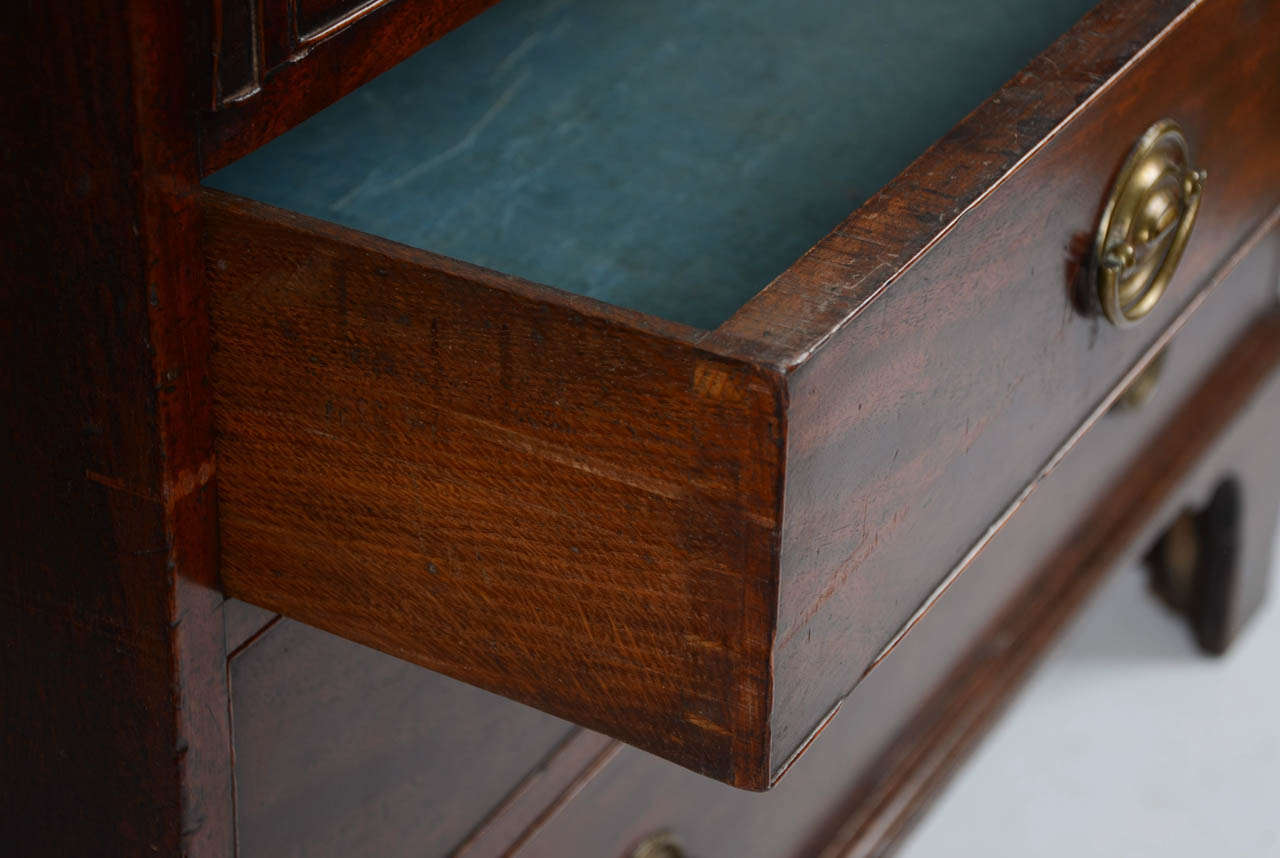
x=696 y=539
x=341 y=750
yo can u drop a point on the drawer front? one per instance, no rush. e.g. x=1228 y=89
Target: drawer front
x=879 y=759
x=341 y=750
x=936 y=400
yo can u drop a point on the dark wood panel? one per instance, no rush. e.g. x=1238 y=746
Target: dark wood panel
x=113 y=733
x=922 y=413
x=315 y=17
x=531 y=493
x=341 y=750
x=913 y=693
x=237 y=49
x=1188 y=459
x=312 y=54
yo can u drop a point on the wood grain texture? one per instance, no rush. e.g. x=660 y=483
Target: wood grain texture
x=870 y=773
x=516 y=486
x=308 y=55
x=900 y=767
x=383 y=411
x=536 y=495
x=1223 y=431
x=113 y=725
x=923 y=411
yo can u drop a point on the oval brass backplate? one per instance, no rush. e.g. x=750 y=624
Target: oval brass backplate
x=660 y=845
x=1146 y=224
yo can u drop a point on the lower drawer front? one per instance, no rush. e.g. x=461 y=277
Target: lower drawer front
x=341 y=750
x=639 y=796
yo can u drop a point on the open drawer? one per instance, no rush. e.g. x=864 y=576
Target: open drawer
x=679 y=509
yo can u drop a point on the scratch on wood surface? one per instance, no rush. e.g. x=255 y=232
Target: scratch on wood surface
x=706 y=724
x=714 y=382
x=186 y=482
x=119 y=485
x=703 y=643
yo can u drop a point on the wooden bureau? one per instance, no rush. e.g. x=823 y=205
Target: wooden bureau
x=333 y=531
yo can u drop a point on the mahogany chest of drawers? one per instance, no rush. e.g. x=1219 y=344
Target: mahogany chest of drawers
x=872 y=337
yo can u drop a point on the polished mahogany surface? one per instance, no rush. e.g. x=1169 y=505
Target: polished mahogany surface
x=635 y=495
x=452 y=421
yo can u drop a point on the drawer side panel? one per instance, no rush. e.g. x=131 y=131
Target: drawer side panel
x=520 y=493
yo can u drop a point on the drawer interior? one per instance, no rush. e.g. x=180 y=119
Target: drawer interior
x=671 y=157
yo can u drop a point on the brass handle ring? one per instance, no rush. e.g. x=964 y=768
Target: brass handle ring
x=1146 y=223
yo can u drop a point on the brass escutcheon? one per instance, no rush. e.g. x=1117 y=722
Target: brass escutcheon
x=1146 y=224
x=1143 y=386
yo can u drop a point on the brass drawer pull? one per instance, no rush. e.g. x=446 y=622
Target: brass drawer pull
x=1146 y=223
x=1143 y=386
x=661 y=845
